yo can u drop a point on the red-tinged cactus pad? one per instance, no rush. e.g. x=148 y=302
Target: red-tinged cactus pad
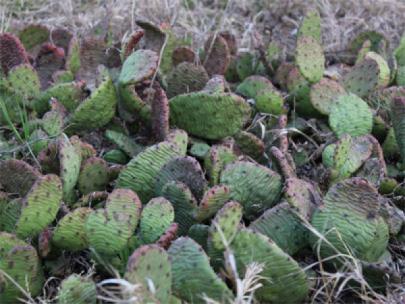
x=217 y=55
x=69 y=161
x=12 y=52
x=69 y=234
x=49 y=60
x=215 y=161
x=93 y=175
x=213 y=199
x=186 y=78
x=131 y=43
x=182 y=169
x=77 y=289
x=156 y=217
x=16 y=176
x=284 y=281
x=310 y=59
x=183 y=54
x=40 y=206
x=368 y=75
x=256 y=187
x=324 y=94
x=160 y=114
x=139 y=66
x=179 y=138
x=193 y=277
x=149 y=266
x=141 y=172
x=20 y=262
x=350 y=115
x=398 y=123
x=350 y=220
x=168 y=236
x=184 y=204
x=311 y=26
x=282 y=225
x=97 y=110
x=61 y=37
x=225 y=224
x=210 y=116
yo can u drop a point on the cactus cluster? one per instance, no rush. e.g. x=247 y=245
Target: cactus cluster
x=179 y=170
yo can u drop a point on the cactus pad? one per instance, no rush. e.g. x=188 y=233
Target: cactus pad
x=311 y=26
x=193 y=276
x=50 y=60
x=156 y=217
x=213 y=200
x=249 y=144
x=324 y=94
x=16 y=176
x=279 y=284
x=23 y=82
x=350 y=115
x=252 y=85
x=12 y=52
x=254 y=186
x=69 y=234
x=141 y=171
x=183 y=54
x=211 y=116
x=309 y=58
x=217 y=55
x=350 y=219
x=179 y=138
x=78 y=290
x=215 y=161
x=149 y=266
x=124 y=142
x=93 y=175
x=33 y=35
x=398 y=123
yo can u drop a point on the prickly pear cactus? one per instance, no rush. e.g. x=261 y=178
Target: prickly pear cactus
x=282 y=225
x=213 y=199
x=179 y=138
x=19 y=266
x=124 y=142
x=141 y=172
x=184 y=204
x=183 y=169
x=33 y=35
x=311 y=26
x=70 y=233
x=215 y=161
x=210 y=116
x=398 y=123
x=324 y=94
x=16 y=176
x=252 y=85
x=40 y=206
x=193 y=277
x=254 y=186
x=350 y=115
x=23 y=82
x=217 y=55
x=349 y=219
x=249 y=144
x=77 y=289
x=309 y=58
x=93 y=175
x=12 y=52
x=149 y=266
x=156 y=217
x=279 y=284
x=160 y=114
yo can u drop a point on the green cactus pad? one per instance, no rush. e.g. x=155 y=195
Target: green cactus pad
x=224 y=225
x=149 y=266
x=40 y=206
x=12 y=53
x=199 y=149
x=183 y=202
x=93 y=175
x=193 y=276
x=69 y=234
x=73 y=57
x=16 y=176
x=309 y=58
x=186 y=78
x=116 y=156
x=211 y=116
x=311 y=26
x=249 y=144
x=398 y=123
x=324 y=94
x=252 y=85
x=182 y=169
x=33 y=35
x=350 y=220
x=124 y=142
x=282 y=225
x=199 y=233
x=217 y=55
x=179 y=138
x=139 y=66
x=141 y=172
x=213 y=200
x=156 y=217
x=374 y=37
x=284 y=281
x=215 y=161
x=77 y=289
x=254 y=186
x=368 y=75
x=70 y=160
x=23 y=82
x=350 y=115
x=19 y=261
x=247 y=64
x=269 y=101
x=97 y=110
